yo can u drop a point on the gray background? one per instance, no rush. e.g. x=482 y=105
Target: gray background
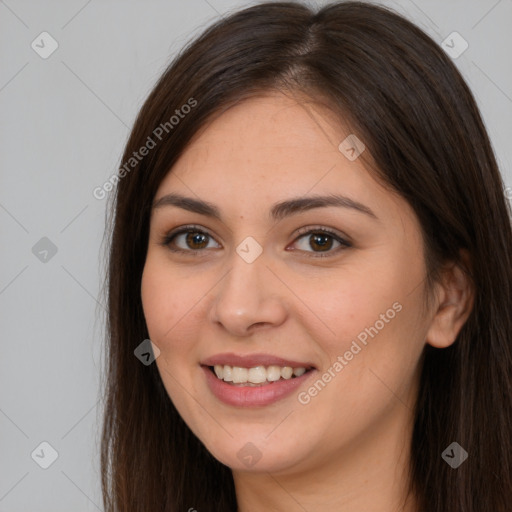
x=64 y=121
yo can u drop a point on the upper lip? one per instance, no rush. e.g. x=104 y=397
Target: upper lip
x=253 y=360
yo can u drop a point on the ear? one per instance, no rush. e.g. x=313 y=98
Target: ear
x=455 y=294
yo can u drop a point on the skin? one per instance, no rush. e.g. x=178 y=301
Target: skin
x=348 y=448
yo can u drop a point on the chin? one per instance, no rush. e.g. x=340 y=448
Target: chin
x=256 y=455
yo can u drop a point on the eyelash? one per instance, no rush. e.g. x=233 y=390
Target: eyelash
x=167 y=239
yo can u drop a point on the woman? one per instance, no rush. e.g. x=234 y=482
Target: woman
x=311 y=229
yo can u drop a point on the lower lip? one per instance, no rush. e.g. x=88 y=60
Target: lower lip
x=251 y=396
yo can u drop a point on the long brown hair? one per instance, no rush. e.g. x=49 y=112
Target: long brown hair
x=400 y=94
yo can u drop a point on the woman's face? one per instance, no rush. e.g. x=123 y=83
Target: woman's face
x=277 y=280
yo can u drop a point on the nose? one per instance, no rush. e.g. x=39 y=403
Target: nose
x=248 y=298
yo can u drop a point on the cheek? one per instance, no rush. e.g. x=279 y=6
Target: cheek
x=164 y=301
x=168 y=305
x=155 y=302
x=372 y=316
x=350 y=305
x=174 y=309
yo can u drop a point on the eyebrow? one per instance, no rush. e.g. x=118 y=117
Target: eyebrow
x=278 y=211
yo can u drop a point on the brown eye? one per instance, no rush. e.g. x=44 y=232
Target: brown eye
x=188 y=240
x=321 y=241
x=317 y=241
x=196 y=240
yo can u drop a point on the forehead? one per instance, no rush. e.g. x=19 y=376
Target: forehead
x=267 y=149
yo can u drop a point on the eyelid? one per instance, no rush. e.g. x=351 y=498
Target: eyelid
x=341 y=238
x=339 y=235
x=168 y=237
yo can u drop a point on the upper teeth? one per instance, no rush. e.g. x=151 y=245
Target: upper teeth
x=256 y=375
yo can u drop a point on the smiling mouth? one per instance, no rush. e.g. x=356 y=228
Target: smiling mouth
x=256 y=376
